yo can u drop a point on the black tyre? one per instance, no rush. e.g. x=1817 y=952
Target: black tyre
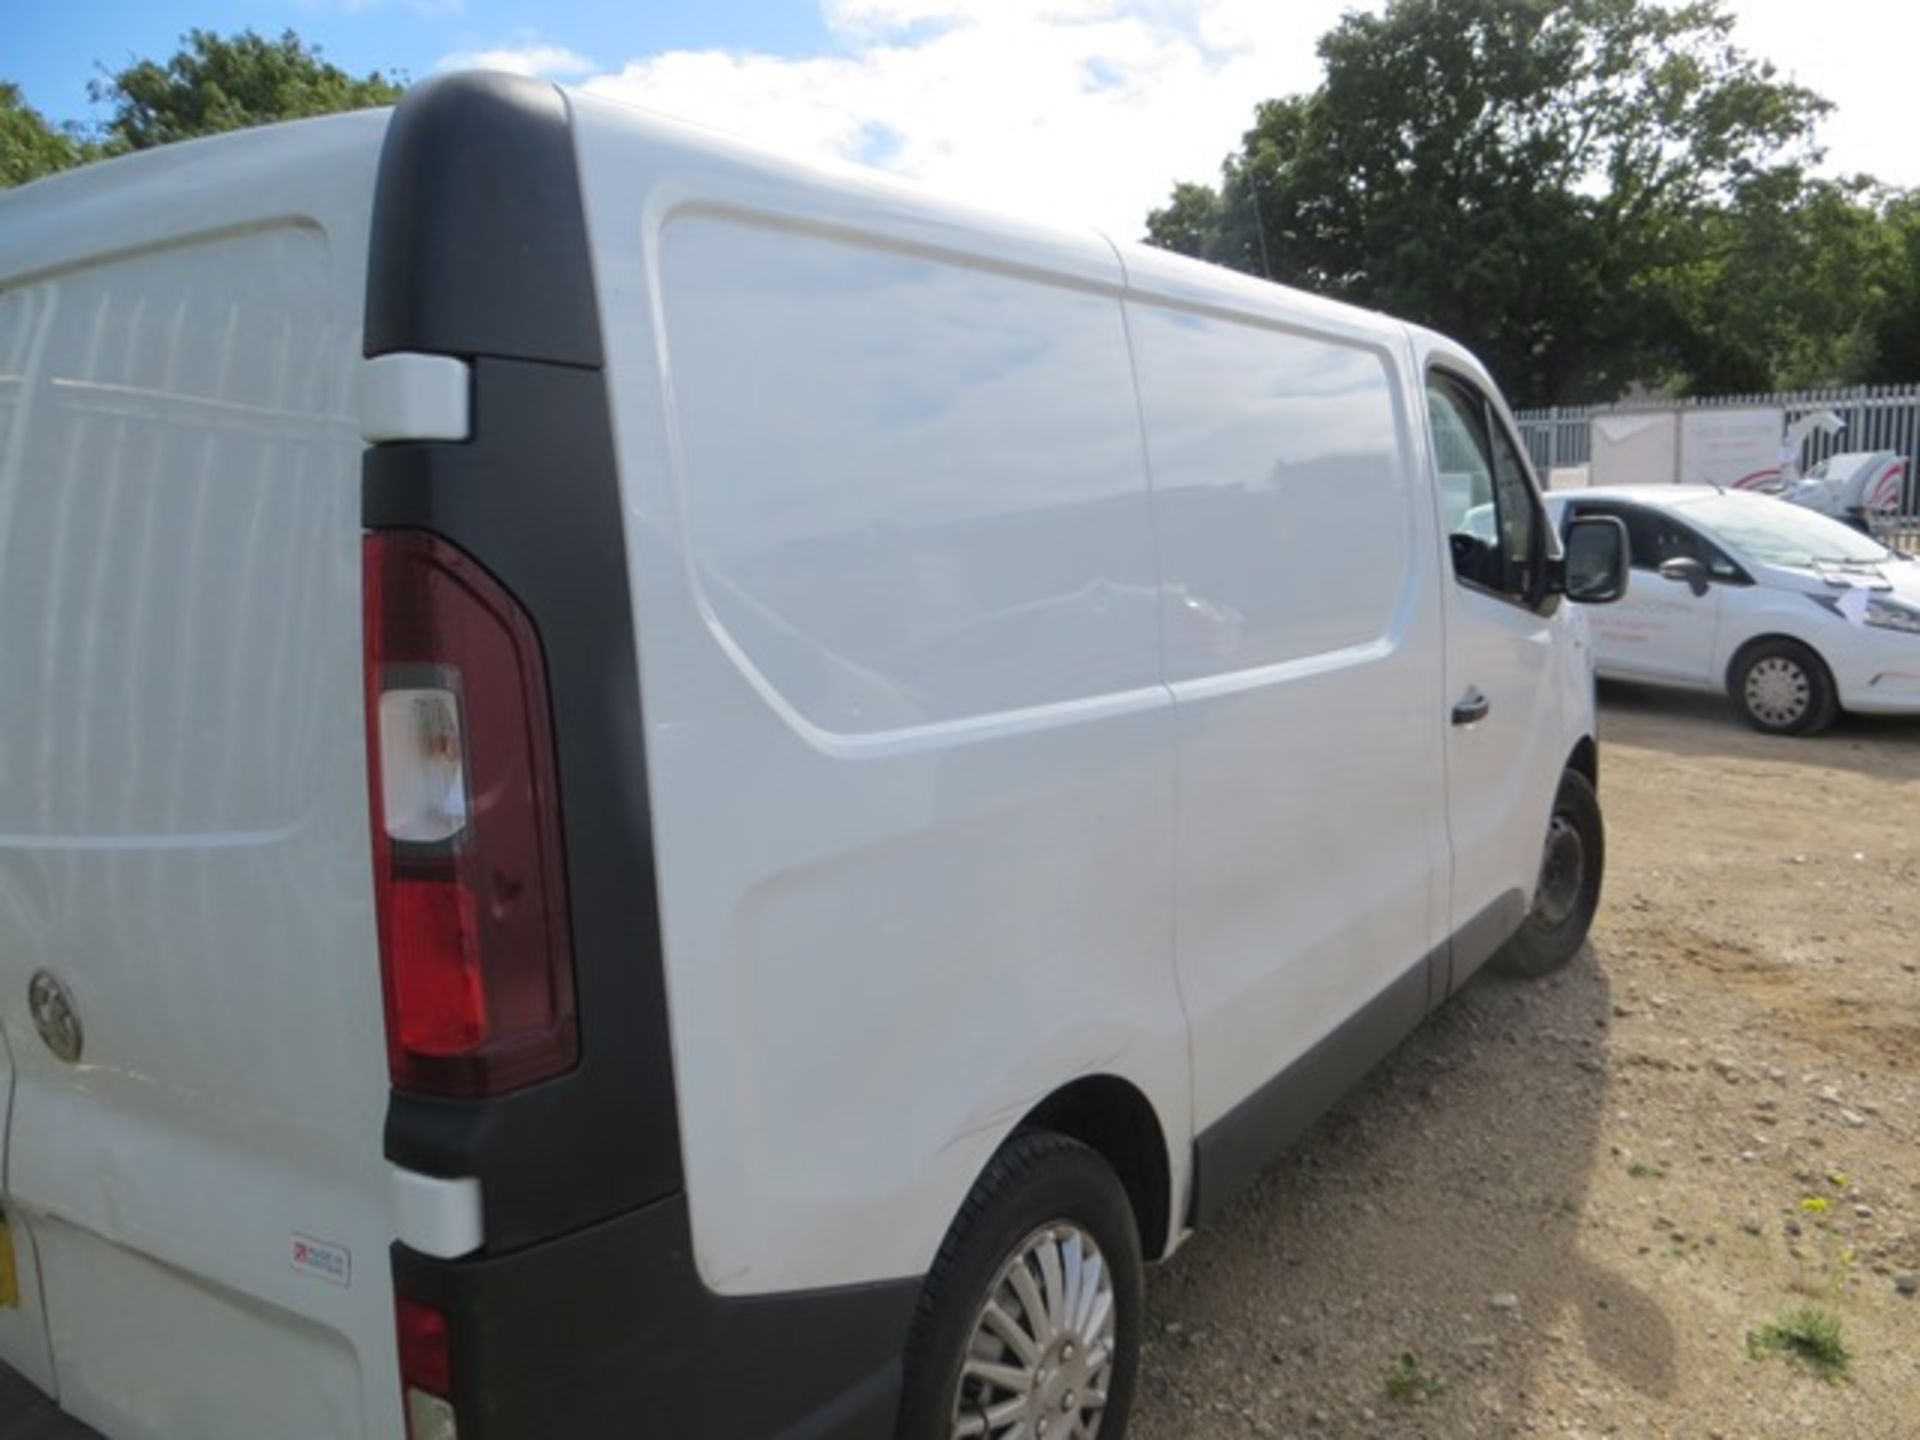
x=1567 y=894
x=1030 y=1320
x=1783 y=688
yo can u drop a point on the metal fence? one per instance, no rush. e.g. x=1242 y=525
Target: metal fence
x=1903 y=533
x=1878 y=417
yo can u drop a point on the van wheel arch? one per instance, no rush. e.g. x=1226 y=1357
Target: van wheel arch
x=1111 y=1117
x=1585 y=760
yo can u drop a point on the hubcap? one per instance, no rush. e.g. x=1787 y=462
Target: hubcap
x=1778 y=691
x=1041 y=1354
x=1563 y=866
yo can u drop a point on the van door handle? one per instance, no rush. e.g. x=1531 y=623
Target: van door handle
x=1473 y=706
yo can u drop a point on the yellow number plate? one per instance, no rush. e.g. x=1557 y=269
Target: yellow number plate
x=9 y=1278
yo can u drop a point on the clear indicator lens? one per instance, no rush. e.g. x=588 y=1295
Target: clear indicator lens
x=429 y=1417
x=423 y=774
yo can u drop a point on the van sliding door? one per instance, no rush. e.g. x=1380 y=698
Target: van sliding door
x=1302 y=648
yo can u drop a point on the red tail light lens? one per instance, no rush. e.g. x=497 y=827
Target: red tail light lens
x=468 y=869
x=426 y=1371
x=426 y=1357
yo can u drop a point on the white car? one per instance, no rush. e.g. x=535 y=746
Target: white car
x=1795 y=615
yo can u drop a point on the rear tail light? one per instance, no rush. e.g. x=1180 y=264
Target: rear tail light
x=469 y=875
x=426 y=1371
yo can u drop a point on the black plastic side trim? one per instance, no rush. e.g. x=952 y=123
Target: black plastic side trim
x=610 y=1333
x=479 y=242
x=1478 y=939
x=534 y=497
x=1230 y=1153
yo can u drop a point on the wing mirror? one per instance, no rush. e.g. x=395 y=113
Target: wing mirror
x=1595 y=569
x=1685 y=570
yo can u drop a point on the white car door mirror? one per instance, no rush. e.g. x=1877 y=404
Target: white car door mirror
x=1686 y=570
x=1595 y=569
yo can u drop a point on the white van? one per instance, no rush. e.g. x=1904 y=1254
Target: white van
x=644 y=792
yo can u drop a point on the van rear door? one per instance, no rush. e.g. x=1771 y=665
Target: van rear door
x=184 y=852
x=23 y=1325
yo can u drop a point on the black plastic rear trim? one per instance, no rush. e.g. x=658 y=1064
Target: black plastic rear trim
x=610 y=1333
x=583 y=1314
x=534 y=497
x=479 y=249
x=479 y=242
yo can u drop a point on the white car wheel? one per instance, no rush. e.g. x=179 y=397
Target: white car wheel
x=1783 y=688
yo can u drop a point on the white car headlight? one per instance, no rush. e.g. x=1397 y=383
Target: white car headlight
x=1890 y=614
x=1860 y=606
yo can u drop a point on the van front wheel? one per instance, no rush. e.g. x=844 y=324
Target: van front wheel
x=1029 y=1324
x=1568 y=891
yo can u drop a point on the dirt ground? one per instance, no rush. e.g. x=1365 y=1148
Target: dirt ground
x=1571 y=1202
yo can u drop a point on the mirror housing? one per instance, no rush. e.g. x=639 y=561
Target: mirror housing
x=1594 y=571
x=1685 y=570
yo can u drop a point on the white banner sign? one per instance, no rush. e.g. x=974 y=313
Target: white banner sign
x=1739 y=449
x=1635 y=449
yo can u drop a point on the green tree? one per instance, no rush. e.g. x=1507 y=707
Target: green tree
x=1789 y=288
x=1529 y=175
x=1189 y=221
x=1897 y=330
x=29 y=146
x=218 y=83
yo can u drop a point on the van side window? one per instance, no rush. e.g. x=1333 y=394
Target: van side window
x=1487 y=506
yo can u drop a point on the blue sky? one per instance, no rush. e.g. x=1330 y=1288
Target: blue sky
x=1072 y=110
x=52 y=49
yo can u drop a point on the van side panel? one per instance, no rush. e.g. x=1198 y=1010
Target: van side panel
x=907 y=742
x=183 y=824
x=1304 y=653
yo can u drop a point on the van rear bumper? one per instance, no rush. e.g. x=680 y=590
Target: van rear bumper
x=610 y=1332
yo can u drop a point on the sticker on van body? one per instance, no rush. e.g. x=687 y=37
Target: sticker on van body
x=322 y=1258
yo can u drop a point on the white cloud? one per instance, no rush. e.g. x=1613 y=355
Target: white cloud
x=1079 y=110
x=858 y=15
x=551 y=62
x=1857 y=53
x=1090 y=110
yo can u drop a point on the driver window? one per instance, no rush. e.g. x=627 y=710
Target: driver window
x=1519 y=516
x=1486 y=503
x=1657 y=539
x=1654 y=538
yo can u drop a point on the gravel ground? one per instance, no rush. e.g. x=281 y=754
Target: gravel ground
x=1561 y=1208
